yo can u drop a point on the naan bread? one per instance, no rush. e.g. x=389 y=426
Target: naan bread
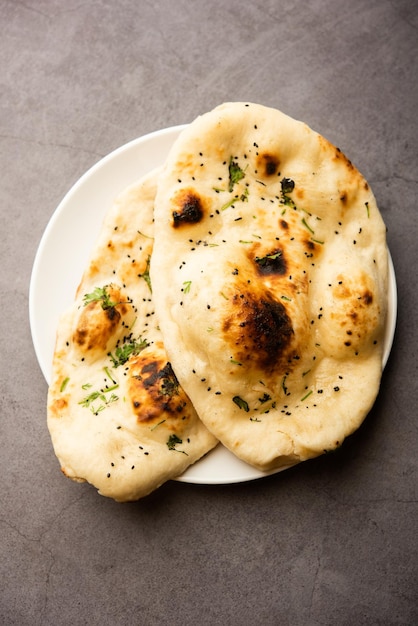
x=116 y=413
x=270 y=279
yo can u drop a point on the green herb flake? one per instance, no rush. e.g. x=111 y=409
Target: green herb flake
x=265 y=260
x=305 y=223
x=287 y=185
x=306 y=395
x=229 y=203
x=235 y=173
x=242 y=198
x=242 y=404
x=264 y=398
x=169 y=383
x=186 y=286
x=64 y=384
x=109 y=375
x=130 y=348
x=144 y=235
x=284 y=385
x=99 y=294
x=156 y=425
x=172 y=441
x=87 y=402
x=146 y=275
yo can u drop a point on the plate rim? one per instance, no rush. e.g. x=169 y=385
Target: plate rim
x=244 y=472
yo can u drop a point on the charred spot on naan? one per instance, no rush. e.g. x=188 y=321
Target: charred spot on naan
x=267 y=164
x=258 y=330
x=273 y=262
x=154 y=391
x=188 y=208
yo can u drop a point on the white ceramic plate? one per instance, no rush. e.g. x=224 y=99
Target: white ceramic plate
x=64 y=251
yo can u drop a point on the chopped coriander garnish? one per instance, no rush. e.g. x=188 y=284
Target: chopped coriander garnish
x=265 y=260
x=305 y=223
x=172 y=441
x=235 y=173
x=87 y=402
x=144 y=235
x=109 y=375
x=64 y=384
x=156 y=425
x=264 y=398
x=287 y=185
x=146 y=275
x=242 y=404
x=229 y=203
x=242 y=198
x=169 y=384
x=99 y=294
x=284 y=385
x=187 y=284
x=306 y=395
x=130 y=348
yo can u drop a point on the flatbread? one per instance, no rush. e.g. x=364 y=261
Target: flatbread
x=270 y=279
x=116 y=414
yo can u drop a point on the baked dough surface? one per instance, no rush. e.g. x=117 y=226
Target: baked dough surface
x=116 y=413
x=269 y=272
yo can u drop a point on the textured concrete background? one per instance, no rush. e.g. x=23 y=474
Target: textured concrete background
x=332 y=541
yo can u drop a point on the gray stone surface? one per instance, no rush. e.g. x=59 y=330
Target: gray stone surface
x=332 y=541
